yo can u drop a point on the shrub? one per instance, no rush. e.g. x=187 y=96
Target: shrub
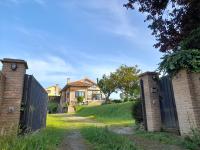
x=117 y=101
x=182 y=59
x=52 y=107
x=80 y=99
x=137 y=111
x=193 y=142
x=192 y=41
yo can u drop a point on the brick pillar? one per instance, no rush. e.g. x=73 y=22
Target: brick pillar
x=14 y=71
x=186 y=87
x=2 y=85
x=151 y=98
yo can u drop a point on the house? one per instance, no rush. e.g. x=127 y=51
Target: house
x=53 y=90
x=53 y=98
x=85 y=88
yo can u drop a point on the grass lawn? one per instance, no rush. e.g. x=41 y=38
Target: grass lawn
x=99 y=137
x=167 y=138
x=111 y=114
x=46 y=139
x=103 y=139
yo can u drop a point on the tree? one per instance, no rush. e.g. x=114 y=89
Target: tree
x=171 y=20
x=107 y=85
x=127 y=80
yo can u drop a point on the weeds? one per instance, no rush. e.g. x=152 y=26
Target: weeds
x=103 y=139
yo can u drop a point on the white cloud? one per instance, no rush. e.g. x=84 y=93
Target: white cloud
x=109 y=16
x=50 y=70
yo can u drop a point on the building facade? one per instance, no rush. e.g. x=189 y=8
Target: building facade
x=53 y=90
x=85 y=88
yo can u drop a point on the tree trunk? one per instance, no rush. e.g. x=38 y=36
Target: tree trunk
x=107 y=99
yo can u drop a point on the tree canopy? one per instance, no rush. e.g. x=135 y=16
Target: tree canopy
x=107 y=85
x=171 y=20
x=124 y=79
x=127 y=80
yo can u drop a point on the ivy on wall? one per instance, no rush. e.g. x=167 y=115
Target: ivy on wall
x=187 y=57
x=183 y=59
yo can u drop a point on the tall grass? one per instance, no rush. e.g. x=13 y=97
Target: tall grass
x=45 y=139
x=113 y=114
x=103 y=139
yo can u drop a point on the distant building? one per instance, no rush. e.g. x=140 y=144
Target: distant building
x=85 y=88
x=53 y=90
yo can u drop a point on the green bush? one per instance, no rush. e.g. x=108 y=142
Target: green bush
x=193 y=142
x=182 y=59
x=193 y=40
x=116 y=101
x=80 y=99
x=137 y=111
x=52 y=107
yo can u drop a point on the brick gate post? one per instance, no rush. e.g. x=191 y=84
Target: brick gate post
x=14 y=71
x=186 y=87
x=151 y=98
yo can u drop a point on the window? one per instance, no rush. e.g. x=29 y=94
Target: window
x=79 y=93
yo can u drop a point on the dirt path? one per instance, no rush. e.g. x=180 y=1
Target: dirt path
x=74 y=140
x=142 y=143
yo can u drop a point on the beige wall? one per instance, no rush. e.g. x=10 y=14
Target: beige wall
x=187 y=97
x=53 y=90
x=72 y=93
x=152 y=105
x=12 y=97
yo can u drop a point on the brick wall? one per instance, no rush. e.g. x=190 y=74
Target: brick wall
x=2 y=85
x=152 y=104
x=187 y=97
x=195 y=90
x=11 y=103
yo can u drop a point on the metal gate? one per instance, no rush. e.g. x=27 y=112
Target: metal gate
x=167 y=105
x=34 y=105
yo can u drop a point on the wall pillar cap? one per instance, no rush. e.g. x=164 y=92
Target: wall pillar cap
x=148 y=73
x=10 y=60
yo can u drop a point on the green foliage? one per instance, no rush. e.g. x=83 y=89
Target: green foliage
x=117 y=101
x=45 y=139
x=171 y=21
x=128 y=81
x=193 y=142
x=107 y=85
x=52 y=107
x=162 y=137
x=182 y=59
x=125 y=79
x=137 y=111
x=103 y=139
x=192 y=41
x=80 y=99
x=109 y=114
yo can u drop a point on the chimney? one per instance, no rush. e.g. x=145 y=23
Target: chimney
x=68 y=80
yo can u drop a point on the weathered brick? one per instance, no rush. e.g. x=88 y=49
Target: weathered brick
x=186 y=87
x=12 y=93
x=152 y=104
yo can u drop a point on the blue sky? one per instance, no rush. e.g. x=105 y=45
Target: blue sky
x=75 y=38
